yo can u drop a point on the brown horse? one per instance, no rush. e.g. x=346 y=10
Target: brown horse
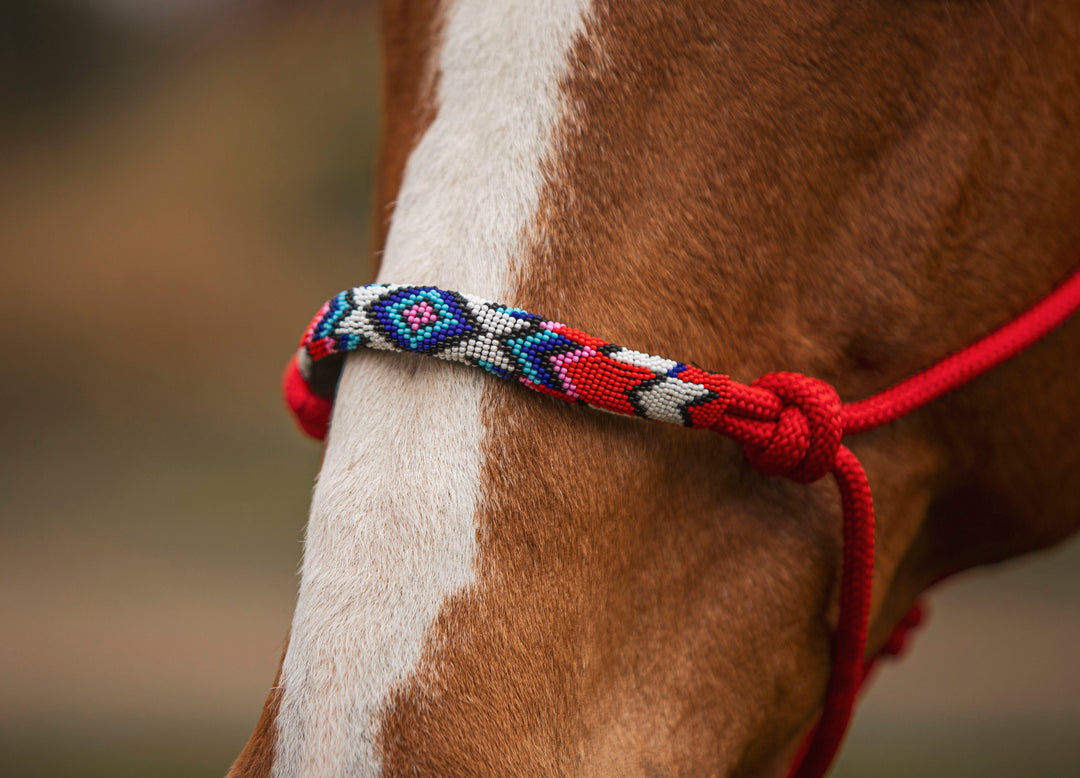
x=500 y=584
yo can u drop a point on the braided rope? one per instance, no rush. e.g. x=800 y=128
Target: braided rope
x=788 y=424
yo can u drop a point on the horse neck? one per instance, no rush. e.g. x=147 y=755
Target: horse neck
x=495 y=583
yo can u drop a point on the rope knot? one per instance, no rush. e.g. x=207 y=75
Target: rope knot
x=807 y=431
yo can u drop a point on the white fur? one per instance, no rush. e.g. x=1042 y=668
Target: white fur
x=392 y=532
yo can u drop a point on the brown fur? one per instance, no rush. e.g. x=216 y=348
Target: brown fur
x=257 y=758
x=847 y=189
x=409 y=84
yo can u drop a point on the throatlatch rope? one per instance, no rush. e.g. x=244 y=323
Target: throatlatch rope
x=788 y=424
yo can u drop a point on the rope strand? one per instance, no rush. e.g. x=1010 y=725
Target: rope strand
x=961 y=367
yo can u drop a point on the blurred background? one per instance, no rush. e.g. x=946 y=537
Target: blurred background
x=182 y=183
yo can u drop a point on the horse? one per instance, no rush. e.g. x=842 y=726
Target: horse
x=499 y=584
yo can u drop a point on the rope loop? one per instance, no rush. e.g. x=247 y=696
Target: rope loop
x=807 y=431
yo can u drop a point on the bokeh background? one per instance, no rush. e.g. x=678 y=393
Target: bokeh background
x=182 y=183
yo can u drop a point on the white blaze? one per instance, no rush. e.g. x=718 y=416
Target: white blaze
x=392 y=531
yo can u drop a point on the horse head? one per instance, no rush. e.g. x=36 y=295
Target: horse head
x=496 y=583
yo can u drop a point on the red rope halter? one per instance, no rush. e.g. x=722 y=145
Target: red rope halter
x=787 y=423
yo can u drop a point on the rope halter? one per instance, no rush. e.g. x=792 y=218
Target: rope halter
x=788 y=424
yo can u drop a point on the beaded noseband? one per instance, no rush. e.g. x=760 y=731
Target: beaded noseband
x=788 y=424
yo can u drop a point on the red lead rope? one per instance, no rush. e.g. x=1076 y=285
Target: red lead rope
x=849 y=647
x=787 y=423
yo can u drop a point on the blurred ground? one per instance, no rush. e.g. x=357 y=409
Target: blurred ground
x=167 y=175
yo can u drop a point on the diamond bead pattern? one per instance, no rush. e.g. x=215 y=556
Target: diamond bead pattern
x=544 y=355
